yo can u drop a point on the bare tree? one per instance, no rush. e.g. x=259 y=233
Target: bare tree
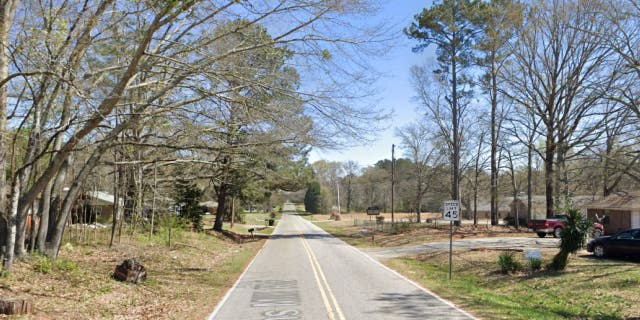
x=93 y=65
x=351 y=169
x=559 y=70
x=416 y=141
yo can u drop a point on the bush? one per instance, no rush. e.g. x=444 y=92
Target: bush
x=43 y=265
x=535 y=264
x=508 y=262
x=401 y=227
x=66 y=265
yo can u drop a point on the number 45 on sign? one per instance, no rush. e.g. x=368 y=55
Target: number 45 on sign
x=451 y=211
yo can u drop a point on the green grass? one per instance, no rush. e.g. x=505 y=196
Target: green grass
x=588 y=289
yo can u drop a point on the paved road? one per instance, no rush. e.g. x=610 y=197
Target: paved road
x=304 y=273
x=464 y=244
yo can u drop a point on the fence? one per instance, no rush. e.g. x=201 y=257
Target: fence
x=379 y=224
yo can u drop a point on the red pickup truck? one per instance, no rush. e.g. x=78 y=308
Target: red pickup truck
x=556 y=225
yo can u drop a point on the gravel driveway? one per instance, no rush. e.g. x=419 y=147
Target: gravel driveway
x=463 y=244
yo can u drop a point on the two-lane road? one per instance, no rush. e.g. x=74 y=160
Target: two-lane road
x=304 y=273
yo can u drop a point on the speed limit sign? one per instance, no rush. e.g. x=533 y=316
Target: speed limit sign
x=451 y=211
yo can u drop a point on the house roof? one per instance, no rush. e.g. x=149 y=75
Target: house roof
x=102 y=197
x=485 y=205
x=617 y=200
x=209 y=204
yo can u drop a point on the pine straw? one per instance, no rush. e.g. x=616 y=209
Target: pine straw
x=183 y=282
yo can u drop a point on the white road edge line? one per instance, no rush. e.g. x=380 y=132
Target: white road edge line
x=235 y=285
x=449 y=303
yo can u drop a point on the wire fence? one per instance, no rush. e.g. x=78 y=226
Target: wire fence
x=379 y=224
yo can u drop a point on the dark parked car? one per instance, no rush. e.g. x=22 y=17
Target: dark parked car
x=622 y=244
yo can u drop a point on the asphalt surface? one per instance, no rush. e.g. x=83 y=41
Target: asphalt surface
x=303 y=272
x=464 y=244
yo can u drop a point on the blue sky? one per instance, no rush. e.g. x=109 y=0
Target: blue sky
x=397 y=91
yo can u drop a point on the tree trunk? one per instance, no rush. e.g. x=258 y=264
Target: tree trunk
x=549 y=172
x=494 y=144
x=419 y=200
x=12 y=227
x=349 y=193
x=222 y=197
x=455 y=177
x=70 y=199
x=562 y=186
x=529 y=179
x=44 y=208
x=153 y=200
x=7 y=9
x=116 y=200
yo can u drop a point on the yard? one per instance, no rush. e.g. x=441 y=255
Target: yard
x=589 y=289
x=408 y=233
x=184 y=280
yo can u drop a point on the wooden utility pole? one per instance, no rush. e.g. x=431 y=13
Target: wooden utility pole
x=338 y=191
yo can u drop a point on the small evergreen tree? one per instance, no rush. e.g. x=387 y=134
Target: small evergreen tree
x=312 y=198
x=188 y=199
x=573 y=237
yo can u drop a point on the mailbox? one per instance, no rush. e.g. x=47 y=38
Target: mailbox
x=373 y=211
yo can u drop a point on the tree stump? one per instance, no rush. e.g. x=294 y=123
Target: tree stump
x=130 y=270
x=15 y=306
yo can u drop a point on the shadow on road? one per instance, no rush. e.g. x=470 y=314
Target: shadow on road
x=297 y=235
x=416 y=305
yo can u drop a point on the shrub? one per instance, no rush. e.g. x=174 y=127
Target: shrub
x=535 y=264
x=66 y=265
x=43 y=265
x=508 y=262
x=401 y=227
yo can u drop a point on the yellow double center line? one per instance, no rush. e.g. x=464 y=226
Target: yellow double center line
x=323 y=285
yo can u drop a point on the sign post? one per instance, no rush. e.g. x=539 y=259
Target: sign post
x=451 y=213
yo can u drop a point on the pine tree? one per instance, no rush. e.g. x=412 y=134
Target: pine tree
x=188 y=201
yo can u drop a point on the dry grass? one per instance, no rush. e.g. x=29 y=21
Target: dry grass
x=183 y=282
